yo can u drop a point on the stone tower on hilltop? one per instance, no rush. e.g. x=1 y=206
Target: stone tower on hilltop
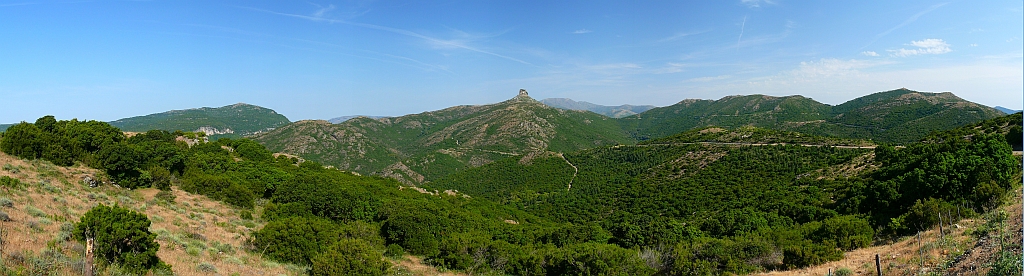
x=522 y=92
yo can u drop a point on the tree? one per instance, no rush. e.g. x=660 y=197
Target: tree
x=349 y=257
x=122 y=236
x=22 y=140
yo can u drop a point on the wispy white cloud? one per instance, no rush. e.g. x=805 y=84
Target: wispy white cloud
x=973 y=45
x=905 y=22
x=869 y=53
x=929 y=46
x=678 y=36
x=323 y=10
x=432 y=40
x=582 y=31
x=742 y=26
x=756 y=3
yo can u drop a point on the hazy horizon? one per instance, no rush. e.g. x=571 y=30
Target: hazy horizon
x=108 y=59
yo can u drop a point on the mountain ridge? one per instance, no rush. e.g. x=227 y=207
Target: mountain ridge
x=232 y=121
x=419 y=147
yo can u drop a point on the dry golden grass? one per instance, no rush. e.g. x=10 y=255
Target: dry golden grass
x=192 y=220
x=908 y=256
x=192 y=231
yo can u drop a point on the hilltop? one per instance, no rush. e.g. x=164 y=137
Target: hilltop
x=610 y=111
x=897 y=116
x=232 y=121
x=421 y=147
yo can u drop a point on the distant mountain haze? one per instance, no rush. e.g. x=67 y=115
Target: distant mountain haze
x=338 y=120
x=610 y=111
x=1006 y=110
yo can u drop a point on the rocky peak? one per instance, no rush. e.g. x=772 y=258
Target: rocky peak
x=522 y=92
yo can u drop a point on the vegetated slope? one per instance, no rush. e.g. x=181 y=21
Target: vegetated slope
x=195 y=233
x=899 y=116
x=232 y=121
x=325 y=218
x=422 y=147
x=777 y=206
x=610 y=111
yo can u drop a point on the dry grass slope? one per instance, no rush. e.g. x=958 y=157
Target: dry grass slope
x=197 y=235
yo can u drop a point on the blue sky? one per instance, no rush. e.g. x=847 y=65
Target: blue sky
x=108 y=59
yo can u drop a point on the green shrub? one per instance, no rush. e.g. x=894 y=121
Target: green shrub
x=1008 y=263
x=206 y=267
x=6 y=202
x=349 y=257
x=7 y=181
x=122 y=237
x=394 y=251
x=842 y=271
x=35 y=212
x=4 y=216
x=165 y=196
x=295 y=239
x=245 y=214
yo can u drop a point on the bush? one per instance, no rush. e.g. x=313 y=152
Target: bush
x=122 y=237
x=245 y=214
x=4 y=216
x=847 y=232
x=349 y=257
x=206 y=267
x=394 y=251
x=296 y=239
x=35 y=212
x=7 y=181
x=165 y=196
x=6 y=202
x=842 y=271
x=1008 y=263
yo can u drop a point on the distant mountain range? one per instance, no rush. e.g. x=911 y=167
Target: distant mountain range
x=610 y=111
x=423 y=147
x=232 y=121
x=893 y=116
x=1006 y=110
x=342 y=119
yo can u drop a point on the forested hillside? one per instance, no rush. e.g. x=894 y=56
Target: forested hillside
x=423 y=147
x=232 y=121
x=708 y=201
x=733 y=203
x=898 y=116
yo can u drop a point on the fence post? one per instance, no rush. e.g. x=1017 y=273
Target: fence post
x=878 y=265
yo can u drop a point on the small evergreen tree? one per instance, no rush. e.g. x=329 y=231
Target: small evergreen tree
x=349 y=257
x=121 y=236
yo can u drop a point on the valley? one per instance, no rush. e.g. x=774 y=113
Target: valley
x=749 y=185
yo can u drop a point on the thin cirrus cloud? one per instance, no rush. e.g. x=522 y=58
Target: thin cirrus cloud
x=869 y=53
x=905 y=22
x=582 y=31
x=756 y=3
x=436 y=41
x=929 y=46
